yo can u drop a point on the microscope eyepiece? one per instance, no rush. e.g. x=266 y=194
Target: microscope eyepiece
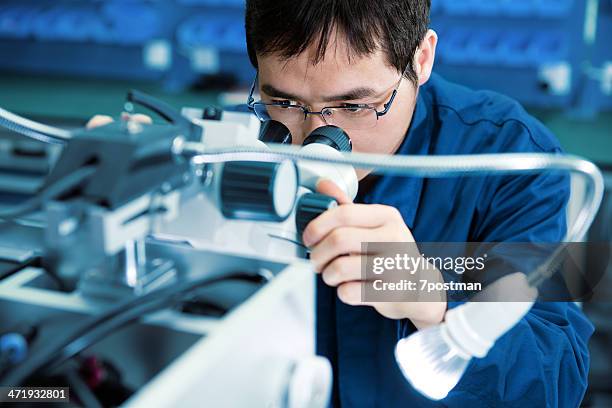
x=332 y=136
x=273 y=131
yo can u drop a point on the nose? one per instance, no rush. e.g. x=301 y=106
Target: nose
x=311 y=123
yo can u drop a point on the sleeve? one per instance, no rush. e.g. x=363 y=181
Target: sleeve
x=543 y=361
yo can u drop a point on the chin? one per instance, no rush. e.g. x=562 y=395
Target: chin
x=361 y=173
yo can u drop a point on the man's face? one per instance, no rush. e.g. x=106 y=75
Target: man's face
x=339 y=81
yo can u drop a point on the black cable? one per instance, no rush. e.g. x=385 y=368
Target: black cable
x=166 y=111
x=101 y=325
x=49 y=193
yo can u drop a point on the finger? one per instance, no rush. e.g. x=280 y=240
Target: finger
x=137 y=117
x=98 y=120
x=350 y=293
x=341 y=241
x=350 y=215
x=342 y=269
x=328 y=187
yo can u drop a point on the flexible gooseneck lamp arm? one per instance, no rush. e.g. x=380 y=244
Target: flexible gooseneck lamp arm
x=434 y=360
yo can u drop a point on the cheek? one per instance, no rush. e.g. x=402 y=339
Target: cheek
x=384 y=138
x=389 y=132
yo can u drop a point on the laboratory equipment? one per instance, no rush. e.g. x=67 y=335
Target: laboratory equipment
x=154 y=207
x=103 y=237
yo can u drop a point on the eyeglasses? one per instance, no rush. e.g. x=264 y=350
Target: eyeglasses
x=348 y=117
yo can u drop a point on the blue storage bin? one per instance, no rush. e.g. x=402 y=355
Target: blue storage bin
x=454 y=47
x=483 y=47
x=513 y=48
x=454 y=7
x=226 y=33
x=548 y=47
x=483 y=7
x=518 y=8
x=16 y=21
x=74 y=25
x=44 y=26
x=131 y=23
x=554 y=8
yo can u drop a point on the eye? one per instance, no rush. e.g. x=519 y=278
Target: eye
x=355 y=108
x=283 y=102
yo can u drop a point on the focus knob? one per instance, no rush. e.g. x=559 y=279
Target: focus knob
x=332 y=136
x=260 y=191
x=309 y=207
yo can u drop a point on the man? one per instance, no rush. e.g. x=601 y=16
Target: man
x=367 y=67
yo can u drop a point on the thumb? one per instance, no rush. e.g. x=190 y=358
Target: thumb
x=328 y=187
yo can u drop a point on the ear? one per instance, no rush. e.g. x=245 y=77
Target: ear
x=425 y=56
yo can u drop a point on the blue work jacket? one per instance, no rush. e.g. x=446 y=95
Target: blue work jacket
x=543 y=361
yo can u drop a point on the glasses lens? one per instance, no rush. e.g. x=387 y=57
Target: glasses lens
x=351 y=118
x=283 y=114
x=261 y=111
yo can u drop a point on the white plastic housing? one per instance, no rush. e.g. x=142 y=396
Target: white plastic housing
x=311 y=172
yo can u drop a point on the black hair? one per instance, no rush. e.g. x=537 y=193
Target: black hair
x=288 y=27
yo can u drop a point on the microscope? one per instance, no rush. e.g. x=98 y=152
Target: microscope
x=129 y=218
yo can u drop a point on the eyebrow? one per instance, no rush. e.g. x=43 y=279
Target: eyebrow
x=353 y=94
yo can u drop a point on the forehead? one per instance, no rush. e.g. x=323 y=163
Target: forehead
x=339 y=71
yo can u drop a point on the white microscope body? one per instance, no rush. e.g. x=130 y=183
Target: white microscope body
x=207 y=217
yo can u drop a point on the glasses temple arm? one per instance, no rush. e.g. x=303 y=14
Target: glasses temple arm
x=250 y=99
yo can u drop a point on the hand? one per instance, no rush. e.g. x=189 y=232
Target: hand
x=101 y=120
x=335 y=239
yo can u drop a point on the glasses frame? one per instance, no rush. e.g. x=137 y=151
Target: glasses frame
x=251 y=103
